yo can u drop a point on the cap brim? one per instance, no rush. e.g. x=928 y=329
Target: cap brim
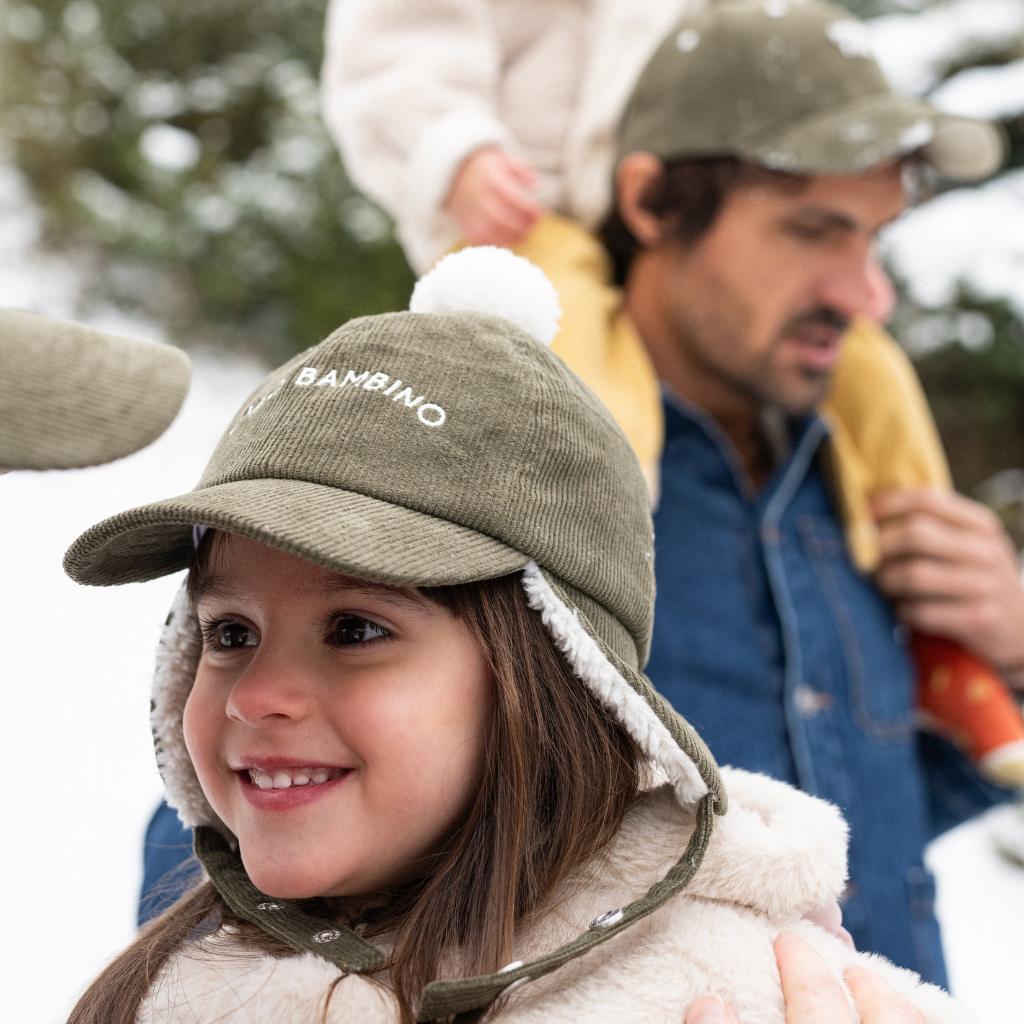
x=872 y=130
x=343 y=531
x=72 y=396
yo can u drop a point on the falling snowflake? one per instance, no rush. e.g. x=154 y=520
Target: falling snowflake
x=688 y=40
x=859 y=131
x=851 y=37
x=920 y=133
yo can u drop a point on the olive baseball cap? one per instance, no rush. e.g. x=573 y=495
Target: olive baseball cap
x=791 y=85
x=415 y=449
x=73 y=396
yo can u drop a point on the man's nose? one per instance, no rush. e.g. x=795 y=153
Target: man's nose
x=270 y=688
x=855 y=284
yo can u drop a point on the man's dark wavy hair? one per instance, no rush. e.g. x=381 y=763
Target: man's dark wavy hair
x=687 y=196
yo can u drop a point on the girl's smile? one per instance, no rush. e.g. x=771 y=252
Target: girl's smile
x=274 y=783
x=337 y=727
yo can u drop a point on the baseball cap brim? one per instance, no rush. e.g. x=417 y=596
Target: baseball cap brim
x=871 y=130
x=72 y=396
x=344 y=531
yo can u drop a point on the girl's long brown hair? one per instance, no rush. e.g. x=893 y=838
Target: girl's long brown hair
x=559 y=774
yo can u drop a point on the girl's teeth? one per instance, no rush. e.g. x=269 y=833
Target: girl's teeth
x=285 y=780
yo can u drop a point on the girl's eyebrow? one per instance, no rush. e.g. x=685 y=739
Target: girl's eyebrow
x=211 y=585
x=405 y=597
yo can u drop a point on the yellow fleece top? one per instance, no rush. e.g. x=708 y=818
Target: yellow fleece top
x=883 y=434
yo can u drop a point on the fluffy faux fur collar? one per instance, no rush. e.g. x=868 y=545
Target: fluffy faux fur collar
x=776 y=855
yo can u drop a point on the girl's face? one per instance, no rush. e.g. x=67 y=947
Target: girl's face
x=337 y=727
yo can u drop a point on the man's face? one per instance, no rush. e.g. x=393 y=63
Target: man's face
x=754 y=312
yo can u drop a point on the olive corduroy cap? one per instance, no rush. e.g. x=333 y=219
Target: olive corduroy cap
x=791 y=85
x=73 y=396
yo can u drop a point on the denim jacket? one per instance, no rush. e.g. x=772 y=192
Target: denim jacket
x=788 y=661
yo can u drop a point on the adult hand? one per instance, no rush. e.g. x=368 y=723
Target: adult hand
x=491 y=198
x=829 y=916
x=813 y=995
x=950 y=569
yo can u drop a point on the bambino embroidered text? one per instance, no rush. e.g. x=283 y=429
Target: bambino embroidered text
x=429 y=414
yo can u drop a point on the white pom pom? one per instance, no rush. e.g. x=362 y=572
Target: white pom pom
x=495 y=282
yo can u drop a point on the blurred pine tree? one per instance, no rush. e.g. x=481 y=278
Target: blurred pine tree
x=177 y=149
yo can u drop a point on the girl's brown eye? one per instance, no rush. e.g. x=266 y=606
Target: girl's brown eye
x=231 y=635
x=352 y=629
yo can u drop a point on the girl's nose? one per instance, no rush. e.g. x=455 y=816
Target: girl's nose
x=269 y=689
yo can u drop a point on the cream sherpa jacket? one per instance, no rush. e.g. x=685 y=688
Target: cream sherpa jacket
x=774 y=857
x=411 y=87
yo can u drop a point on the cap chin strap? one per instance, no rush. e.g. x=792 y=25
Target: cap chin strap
x=284 y=919
x=341 y=946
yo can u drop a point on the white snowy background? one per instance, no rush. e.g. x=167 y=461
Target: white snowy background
x=76 y=662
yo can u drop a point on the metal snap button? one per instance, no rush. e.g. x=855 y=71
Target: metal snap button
x=607 y=919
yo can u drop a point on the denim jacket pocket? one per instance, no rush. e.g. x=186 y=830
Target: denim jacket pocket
x=879 y=671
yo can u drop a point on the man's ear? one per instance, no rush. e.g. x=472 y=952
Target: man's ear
x=635 y=175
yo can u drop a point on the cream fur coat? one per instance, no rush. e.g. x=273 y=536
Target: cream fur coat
x=774 y=857
x=411 y=87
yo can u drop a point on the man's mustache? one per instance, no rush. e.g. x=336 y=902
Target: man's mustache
x=820 y=316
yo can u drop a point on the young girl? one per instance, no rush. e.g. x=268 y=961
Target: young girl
x=401 y=701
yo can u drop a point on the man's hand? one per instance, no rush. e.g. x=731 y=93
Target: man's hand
x=813 y=995
x=491 y=198
x=950 y=569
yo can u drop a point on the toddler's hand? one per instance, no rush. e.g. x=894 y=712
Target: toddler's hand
x=813 y=995
x=491 y=198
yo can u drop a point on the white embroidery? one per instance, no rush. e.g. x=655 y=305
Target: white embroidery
x=406 y=396
x=437 y=417
x=258 y=403
x=351 y=377
x=428 y=413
